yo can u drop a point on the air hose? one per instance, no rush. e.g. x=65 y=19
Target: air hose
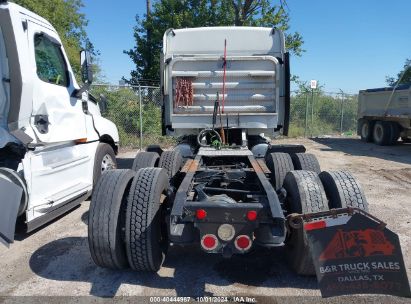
x=215 y=137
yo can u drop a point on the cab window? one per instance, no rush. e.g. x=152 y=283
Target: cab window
x=51 y=66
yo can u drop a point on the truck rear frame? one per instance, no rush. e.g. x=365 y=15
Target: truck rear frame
x=224 y=186
x=219 y=180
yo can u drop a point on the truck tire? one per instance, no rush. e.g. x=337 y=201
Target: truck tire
x=405 y=139
x=107 y=219
x=306 y=161
x=155 y=148
x=172 y=161
x=279 y=164
x=104 y=160
x=395 y=132
x=365 y=127
x=305 y=194
x=343 y=190
x=145 y=160
x=145 y=238
x=382 y=133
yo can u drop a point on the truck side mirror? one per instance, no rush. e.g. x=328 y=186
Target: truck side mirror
x=103 y=103
x=86 y=67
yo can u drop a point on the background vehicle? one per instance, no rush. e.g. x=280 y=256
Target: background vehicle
x=224 y=186
x=54 y=144
x=384 y=115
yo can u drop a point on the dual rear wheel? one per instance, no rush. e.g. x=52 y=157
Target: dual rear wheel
x=382 y=133
x=125 y=219
x=171 y=161
x=308 y=192
x=282 y=163
x=127 y=213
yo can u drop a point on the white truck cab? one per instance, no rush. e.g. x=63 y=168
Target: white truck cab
x=251 y=79
x=54 y=143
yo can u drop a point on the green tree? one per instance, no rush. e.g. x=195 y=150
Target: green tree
x=403 y=77
x=69 y=22
x=148 y=32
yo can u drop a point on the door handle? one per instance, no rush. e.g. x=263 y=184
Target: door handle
x=42 y=123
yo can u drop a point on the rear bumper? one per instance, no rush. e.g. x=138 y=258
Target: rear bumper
x=226 y=204
x=263 y=230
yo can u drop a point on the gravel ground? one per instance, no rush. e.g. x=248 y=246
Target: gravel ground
x=55 y=260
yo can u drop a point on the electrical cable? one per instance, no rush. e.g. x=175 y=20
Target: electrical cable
x=203 y=133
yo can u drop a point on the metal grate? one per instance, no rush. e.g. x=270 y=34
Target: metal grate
x=250 y=86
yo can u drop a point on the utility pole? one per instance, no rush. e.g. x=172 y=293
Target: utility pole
x=148 y=18
x=140 y=101
x=313 y=85
x=148 y=3
x=312 y=112
x=306 y=114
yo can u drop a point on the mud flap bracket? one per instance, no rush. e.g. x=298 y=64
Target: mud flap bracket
x=10 y=202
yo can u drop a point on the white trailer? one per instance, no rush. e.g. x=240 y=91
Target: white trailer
x=54 y=144
x=384 y=115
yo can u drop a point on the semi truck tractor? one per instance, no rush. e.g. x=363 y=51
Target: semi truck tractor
x=224 y=186
x=54 y=144
x=384 y=115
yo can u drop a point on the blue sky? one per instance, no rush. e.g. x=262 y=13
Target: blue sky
x=350 y=44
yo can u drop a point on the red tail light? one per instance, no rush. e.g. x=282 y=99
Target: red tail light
x=201 y=214
x=252 y=215
x=315 y=225
x=209 y=242
x=243 y=242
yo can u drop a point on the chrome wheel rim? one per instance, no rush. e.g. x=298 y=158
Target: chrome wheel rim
x=107 y=163
x=378 y=133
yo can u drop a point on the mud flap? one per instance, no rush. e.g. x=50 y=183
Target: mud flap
x=354 y=253
x=9 y=204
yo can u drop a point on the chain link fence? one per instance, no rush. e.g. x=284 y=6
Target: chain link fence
x=136 y=110
x=316 y=113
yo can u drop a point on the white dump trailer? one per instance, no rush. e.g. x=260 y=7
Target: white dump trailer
x=384 y=115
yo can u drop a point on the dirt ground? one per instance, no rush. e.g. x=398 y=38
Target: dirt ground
x=55 y=260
